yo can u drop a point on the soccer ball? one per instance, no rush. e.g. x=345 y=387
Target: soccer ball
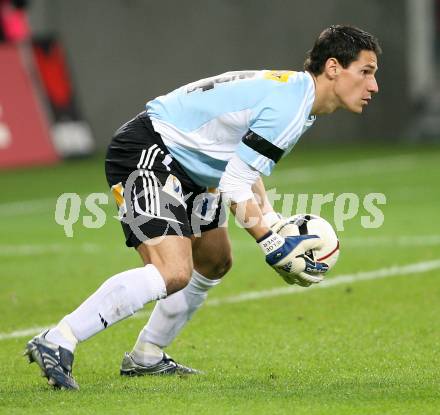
x=307 y=224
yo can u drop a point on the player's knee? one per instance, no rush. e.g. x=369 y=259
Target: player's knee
x=178 y=275
x=225 y=265
x=218 y=266
x=182 y=277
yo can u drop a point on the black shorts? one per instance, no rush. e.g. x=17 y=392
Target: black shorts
x=154 y=195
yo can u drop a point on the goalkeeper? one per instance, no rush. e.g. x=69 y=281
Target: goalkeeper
x=164 y=167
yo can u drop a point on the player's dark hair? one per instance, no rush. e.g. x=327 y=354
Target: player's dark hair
x=343 y=43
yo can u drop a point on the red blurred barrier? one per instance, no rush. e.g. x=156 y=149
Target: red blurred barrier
x=24 y=129
x=71 y=133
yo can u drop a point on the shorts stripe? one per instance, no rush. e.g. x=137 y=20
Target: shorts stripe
x=147 y=159
x=156 y=192
x=141 y=159
x=151 y=186
x=144 y=184
x=153 y=158
x=150 y=195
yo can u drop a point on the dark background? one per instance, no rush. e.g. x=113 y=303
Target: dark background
x=125 y=52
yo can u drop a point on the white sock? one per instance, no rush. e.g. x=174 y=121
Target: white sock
x=119 y=297
x=169 y=317
x=63 y=336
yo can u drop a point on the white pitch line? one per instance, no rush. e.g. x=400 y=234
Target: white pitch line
x=43 y=249
x=418 y=267
x=31 y=331
x=27 y=206
x=29 y=250
x=393 y=271
x=412 y=240
x=337 y=170
x=32 y=206
x=296 y=174
x=369 y=241
x=11 y=250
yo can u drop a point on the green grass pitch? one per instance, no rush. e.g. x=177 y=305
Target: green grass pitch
x=366 y=344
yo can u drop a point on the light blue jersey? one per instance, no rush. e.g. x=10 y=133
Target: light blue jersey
x=259 y=115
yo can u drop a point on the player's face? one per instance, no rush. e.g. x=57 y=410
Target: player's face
x=356 y=84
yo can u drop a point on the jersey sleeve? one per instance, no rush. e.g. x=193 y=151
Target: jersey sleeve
x=276 y=124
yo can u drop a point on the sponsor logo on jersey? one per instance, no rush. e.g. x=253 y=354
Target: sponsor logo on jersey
x=280 y=76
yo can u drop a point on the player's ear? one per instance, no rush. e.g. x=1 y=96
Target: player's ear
x=332 y=68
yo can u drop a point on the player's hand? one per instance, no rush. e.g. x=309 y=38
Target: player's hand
x=275 y=221
x=287 y=255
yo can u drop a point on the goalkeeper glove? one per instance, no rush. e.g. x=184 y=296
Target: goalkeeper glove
x=287 y=255
x=275 y=221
